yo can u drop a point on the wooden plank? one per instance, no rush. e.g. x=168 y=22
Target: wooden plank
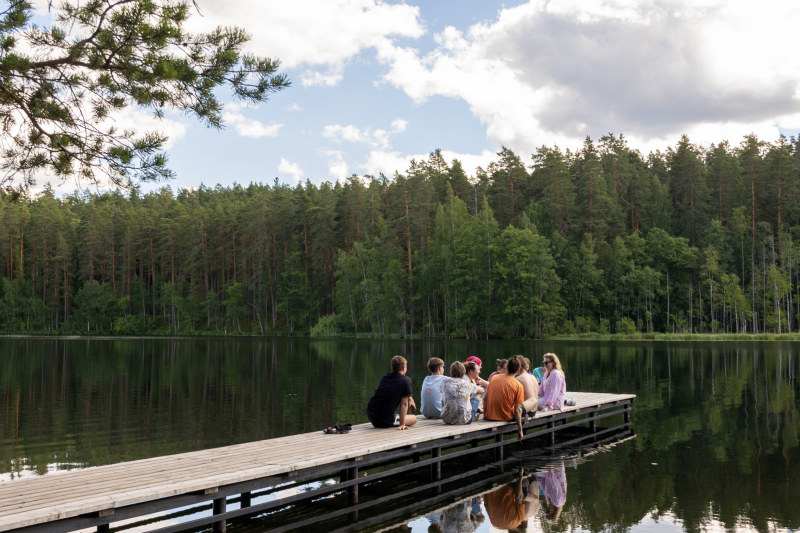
x=100 y=489
x=293 y=455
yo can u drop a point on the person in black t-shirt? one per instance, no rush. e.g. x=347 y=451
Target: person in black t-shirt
x=393 y=392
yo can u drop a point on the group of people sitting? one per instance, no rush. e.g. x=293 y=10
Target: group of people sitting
x=513 y=391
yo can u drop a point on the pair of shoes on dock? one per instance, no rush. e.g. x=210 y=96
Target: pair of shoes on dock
x=338 y=429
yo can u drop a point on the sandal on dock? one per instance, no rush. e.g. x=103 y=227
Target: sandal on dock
x=338 y=429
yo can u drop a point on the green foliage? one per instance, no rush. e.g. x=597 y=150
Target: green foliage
x=326 y=326
x=598 y=241
x=626 y=326
x=99 y=58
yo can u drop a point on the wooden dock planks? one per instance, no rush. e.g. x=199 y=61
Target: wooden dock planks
x=62 y=495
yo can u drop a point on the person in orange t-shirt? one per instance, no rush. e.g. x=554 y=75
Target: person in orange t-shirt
x=504 y=398
x=508 y=507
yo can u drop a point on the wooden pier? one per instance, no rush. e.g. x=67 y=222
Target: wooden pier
x=100 y=496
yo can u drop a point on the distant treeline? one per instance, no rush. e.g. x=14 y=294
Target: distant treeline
x=599 y=240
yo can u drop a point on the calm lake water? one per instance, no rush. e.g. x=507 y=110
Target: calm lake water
x=715 y=448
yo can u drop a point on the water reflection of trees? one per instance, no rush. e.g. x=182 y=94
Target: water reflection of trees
x=719 y=419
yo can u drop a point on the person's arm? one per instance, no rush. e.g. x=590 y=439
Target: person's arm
x=518 y=418
x=518 y=492
x=403 y=411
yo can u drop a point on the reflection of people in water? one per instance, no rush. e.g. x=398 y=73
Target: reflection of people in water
x=554 y=488
x=459 y=518
x=510 y=507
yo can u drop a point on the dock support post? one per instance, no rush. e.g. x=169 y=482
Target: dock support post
x=103 y=528
x=436 y=468
x=352 y=490
x=498 y=452
x=219 y=508
x=551 y=437
x=593 y=422
x=474 y=443
x=415 y=458
x=627 y=414
x=247 y=498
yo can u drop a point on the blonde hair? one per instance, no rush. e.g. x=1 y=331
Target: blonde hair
x=556 y=361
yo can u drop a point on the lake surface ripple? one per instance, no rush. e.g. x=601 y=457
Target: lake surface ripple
x=716 y=423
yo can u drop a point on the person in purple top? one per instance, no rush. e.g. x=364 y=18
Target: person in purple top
x=554 y=487
x=554 y=384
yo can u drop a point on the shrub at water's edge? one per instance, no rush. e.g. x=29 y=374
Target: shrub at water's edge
x=326 y=327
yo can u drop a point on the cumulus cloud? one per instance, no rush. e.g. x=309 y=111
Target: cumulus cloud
x=553 y=72
x=337 y=166
x=248 y=127
x=390 y=162
x=294 y=107
x=375 y=138
x=399 y=125
x=292 y=169
x=313 y=33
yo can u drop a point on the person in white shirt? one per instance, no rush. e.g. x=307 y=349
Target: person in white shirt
x=432 y=402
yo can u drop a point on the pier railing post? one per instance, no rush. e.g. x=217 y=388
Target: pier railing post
x=103 y=528
x=352 y=490
x=627 y=414
x=593 y=422
x=551 y=437
x=220 y=505
x=436 y=468
x=247 y=498
x=498 y=452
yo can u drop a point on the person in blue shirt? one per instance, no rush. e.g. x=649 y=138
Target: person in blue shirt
x=432 y=402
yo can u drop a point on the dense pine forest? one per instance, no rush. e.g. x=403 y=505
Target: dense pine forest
x=602 y=239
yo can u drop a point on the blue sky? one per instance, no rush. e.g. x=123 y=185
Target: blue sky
x=377 y=83
x=360 y=99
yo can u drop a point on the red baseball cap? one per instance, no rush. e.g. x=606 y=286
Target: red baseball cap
x=473 y=359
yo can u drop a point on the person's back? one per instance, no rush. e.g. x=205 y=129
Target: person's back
x=530 y=388
x=432 y=402
x=501 y=397
x=393 y=388
x=504 y=509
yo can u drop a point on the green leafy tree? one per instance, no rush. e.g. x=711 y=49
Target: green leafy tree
x=100 y=57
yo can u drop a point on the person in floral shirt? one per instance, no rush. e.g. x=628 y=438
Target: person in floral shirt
x=460 y=396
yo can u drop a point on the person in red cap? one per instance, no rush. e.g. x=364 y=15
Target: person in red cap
x=479 y=381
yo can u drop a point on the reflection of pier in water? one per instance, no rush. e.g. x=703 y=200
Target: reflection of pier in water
x=434 y=499
x=252 y=484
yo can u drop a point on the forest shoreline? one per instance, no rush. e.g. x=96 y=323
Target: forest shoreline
x=660 y=337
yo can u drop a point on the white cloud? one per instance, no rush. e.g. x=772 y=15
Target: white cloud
x=142 y=120
x=312 y=32
x=293 y=169
x=374 y=138
x=248 y=127
x=553 y=72
x=337 y=166
x=294 y=107
x=330 y=78
x=390 y=162
x=399 y=125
